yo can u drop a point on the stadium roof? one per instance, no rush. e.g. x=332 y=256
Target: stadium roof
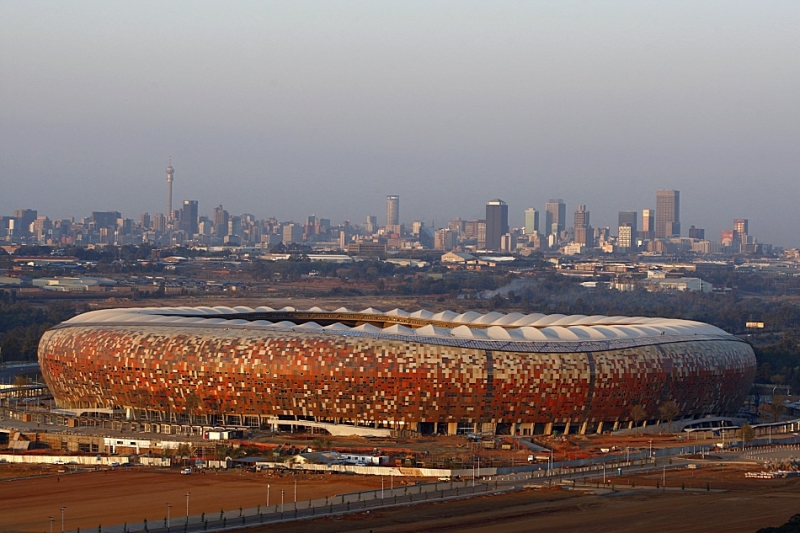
x=493 y=326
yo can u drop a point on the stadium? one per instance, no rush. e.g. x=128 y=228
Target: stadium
x=401 y=372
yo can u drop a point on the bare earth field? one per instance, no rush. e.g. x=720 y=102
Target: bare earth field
x=129 y=496
x=118 y=496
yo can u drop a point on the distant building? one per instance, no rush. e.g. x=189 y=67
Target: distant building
x=629 y=218
x=220 y=219
x=648 y=231
x=496 y=223
x=555 y=217
x=392 y=211
x=189 y=218
x=531 y=221
x=582 y=230
x=371 y=225
x=697 y=233
x=292 y=233
x=625 y=238
x=445 y=239
x=668 y=214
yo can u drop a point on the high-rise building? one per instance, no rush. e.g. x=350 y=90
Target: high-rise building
x=445 y=239
x=160 y=223
x=555 y=217
x=392 y=210
x=170 y=175
x=648 y=225
x=189 y=217
x=496 y=223
x=583 y=231
x=220 y=220
x=740 y=228
x=697 y=233
x=456 y=225
x=629 y=218
x=105 y=219
x=23 y=218
x=668 y=214
x=372 y=224
x=625 y=238
x=531 y=221
x=292 y=233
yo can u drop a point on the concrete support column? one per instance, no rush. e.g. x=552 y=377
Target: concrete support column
x=582 y=431
x=599 y=428
x=548 y=428
x=452 y=428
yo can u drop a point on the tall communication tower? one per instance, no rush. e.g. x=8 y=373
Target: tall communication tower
x=170 y=172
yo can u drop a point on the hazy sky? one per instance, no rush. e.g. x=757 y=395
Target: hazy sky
x=291 y=108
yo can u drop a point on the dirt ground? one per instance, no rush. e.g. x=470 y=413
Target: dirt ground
x=745 y=505
x=635 y=511
x=114 y=497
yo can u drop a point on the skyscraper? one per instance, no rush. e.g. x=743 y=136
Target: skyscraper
x=583 y=231
x=555 y=218
x=392 y=210
x=629 y=218
x=741 y=226
x=531 y=221
x=496 y=223
x=188 y=221
x=648 y=225
x=668 y=214
x=220 y=220
x=170 y=172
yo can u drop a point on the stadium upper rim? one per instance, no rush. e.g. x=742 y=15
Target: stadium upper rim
x=423 y=325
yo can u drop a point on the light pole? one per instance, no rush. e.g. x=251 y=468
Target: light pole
x=473 y=473
x=51 y=524
x=295 y=494
x=381 y=488
x=281 y=502
x=62 y=518
x=169 y=506
x=267 y=494
x=664 y=478
x=651 y=448
x=604 y=473
x=187 y=507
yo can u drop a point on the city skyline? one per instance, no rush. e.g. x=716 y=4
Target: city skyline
x=188 y=226
x=285 y=109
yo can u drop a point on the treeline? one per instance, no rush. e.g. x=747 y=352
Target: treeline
x=295 y=268
x=22 y=325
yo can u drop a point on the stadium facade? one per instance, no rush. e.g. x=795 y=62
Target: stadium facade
x=408 y=372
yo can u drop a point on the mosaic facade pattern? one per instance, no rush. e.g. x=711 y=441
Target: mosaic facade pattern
x=384 y=380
